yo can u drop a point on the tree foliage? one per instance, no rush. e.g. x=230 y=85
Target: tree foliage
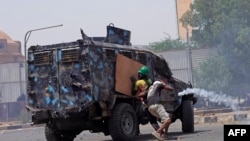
x=169 y=44
x=224 y=24
x=213 y=70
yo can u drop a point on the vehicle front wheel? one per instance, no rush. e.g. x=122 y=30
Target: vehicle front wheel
x=187 y=116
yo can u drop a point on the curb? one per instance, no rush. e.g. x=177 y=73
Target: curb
x=222 y=117
x=18 y=126
x=11 y=127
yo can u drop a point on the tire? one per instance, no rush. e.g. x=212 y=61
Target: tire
x=51 y=134
x=187 y=116
x=123 y=124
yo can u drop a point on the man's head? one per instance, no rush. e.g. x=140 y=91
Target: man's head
x=143 y=72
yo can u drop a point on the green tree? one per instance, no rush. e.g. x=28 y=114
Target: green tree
x=201 y=18
x=213 y=74
x=224 y=24
x=169 y=44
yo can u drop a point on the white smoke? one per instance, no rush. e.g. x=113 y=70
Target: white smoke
x=212 y=97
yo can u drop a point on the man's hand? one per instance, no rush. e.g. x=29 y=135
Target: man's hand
x=142 y=94
x=132 y=78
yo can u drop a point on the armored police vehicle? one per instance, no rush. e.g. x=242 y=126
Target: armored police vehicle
x=85 y=85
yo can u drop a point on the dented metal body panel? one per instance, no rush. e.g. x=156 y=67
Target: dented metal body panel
x=71 y=86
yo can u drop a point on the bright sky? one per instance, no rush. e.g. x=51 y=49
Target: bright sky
x=148 y=20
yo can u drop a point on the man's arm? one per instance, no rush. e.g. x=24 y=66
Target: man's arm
x=142 y=94
x=167 y=87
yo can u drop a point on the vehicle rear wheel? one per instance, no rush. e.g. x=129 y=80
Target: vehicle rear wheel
x=53 y=134
x=187 y=116
x=123 y=124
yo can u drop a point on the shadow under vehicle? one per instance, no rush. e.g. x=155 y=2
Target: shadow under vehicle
x=85 y=85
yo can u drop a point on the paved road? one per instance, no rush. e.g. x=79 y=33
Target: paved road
x=203 y=132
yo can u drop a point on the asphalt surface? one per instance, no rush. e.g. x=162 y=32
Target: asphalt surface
x=199 y=118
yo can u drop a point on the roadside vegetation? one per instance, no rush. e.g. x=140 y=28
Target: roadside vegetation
x=224 y=25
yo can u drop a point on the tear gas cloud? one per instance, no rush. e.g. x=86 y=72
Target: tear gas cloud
x=211 y=96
